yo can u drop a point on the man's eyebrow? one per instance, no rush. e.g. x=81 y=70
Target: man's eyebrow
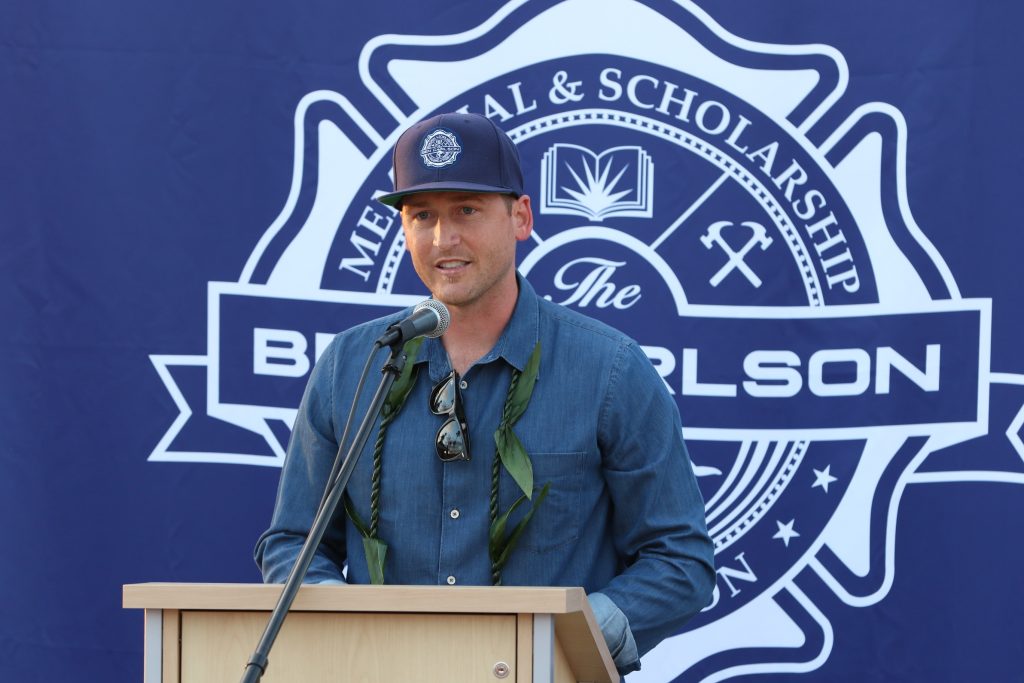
x=455 y=196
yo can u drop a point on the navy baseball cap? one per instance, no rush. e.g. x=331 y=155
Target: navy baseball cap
x=454 y=153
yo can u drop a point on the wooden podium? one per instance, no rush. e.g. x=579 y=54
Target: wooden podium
x=195 y=633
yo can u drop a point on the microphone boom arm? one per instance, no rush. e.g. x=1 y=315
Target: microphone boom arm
x=257 y=664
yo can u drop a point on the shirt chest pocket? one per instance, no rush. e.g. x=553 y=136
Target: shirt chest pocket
x=557 y=520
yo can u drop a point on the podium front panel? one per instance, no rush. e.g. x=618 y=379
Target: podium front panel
x=320 y=646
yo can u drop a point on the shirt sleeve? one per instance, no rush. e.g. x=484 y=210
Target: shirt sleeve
x=310 y=457
x=658 y=521
x=615 y=629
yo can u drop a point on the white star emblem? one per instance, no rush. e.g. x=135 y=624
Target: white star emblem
x=822 y=478
x=786 y=531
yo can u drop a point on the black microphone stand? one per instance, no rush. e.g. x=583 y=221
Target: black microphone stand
x=257 y=664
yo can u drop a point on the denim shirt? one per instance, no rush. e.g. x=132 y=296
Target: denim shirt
x=623 y=517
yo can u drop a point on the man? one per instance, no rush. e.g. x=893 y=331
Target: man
x=526 y=419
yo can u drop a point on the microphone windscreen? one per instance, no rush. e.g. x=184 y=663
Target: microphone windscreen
x=443 y=317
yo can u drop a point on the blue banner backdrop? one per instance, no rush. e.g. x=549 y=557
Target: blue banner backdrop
x=805 y=212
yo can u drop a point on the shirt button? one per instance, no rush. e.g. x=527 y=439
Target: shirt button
x=451 y=580
x=463 y=385
x=454 y=513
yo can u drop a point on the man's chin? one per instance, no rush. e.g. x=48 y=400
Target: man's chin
x=450 y=296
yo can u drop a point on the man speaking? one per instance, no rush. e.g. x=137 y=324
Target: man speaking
x=528 y=445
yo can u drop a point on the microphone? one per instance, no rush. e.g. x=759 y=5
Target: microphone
x=430 y=318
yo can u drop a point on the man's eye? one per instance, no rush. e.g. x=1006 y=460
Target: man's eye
x=422 y=215
x=467 y=210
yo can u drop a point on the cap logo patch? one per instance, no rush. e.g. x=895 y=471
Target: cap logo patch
x=440 y=148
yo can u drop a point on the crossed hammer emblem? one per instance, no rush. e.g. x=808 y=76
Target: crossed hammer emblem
x=759 y=237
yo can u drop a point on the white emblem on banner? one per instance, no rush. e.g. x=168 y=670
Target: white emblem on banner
x=755 y=228
x=617 y=182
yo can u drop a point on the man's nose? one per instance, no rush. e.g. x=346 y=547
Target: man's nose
x=446 y=234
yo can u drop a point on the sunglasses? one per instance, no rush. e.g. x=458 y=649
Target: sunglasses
x=452 y=440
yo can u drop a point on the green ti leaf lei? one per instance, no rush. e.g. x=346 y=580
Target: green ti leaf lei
x=375 y=549
x=513 y=457
x=509 y=454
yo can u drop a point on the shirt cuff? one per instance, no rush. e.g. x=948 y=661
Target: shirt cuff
x=615 y=629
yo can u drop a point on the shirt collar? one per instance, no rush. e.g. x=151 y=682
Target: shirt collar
x=515 y=343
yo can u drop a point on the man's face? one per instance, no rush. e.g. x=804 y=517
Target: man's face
x=463 y=245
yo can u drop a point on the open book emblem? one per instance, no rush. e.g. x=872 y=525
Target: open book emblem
x=575 y=180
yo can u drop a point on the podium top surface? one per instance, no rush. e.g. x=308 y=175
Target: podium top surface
x=361 y=598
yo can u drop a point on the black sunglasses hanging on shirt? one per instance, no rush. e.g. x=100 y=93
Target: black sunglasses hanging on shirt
x=452 y=440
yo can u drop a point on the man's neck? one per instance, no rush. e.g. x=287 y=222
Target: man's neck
x=475 y=330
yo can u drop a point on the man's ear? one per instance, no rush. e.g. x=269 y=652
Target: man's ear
x=522 y=215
